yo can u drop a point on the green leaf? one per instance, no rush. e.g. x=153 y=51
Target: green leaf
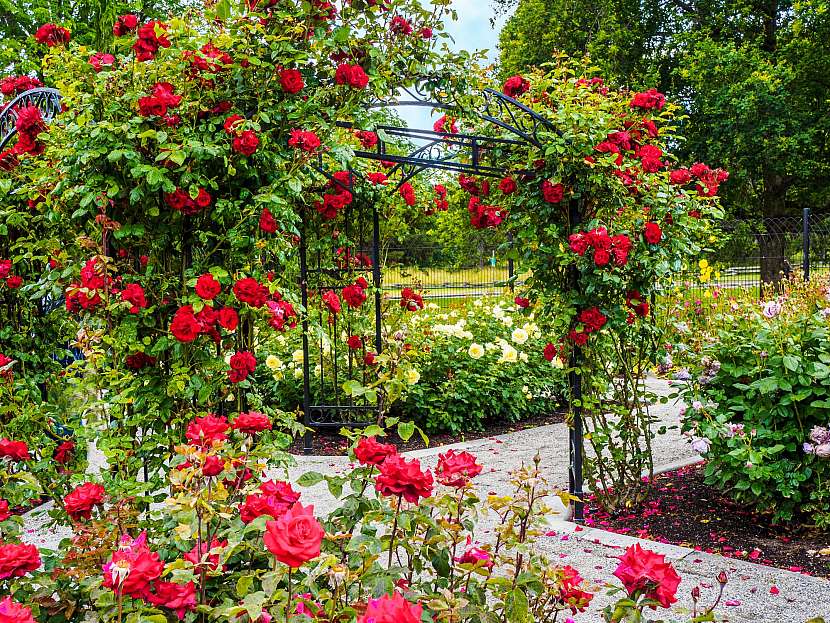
x=406 y=430
x=309 y=479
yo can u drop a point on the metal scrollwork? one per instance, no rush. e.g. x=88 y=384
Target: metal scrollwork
x=47 y=100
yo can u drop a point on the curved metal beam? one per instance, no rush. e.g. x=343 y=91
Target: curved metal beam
x=46 y=99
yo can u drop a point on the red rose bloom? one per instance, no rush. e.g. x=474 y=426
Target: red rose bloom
x=52 y=35
x=243 y=363
x=101 y=60
x=445 y=125
x=14 y=450
x=648 y=100
x=550 y=351
x=515 y=86
x=14 y=282
x=456 y=469
x=275 y=499
x=331 y=301
x=5 y=268
x=207 y=287
x=507 y=185
x=354 y=342
x=400 y=26
x=552 y=193
x=399 y=477
x=213 y=466
x=138 y=360
x=291 y=81
x=370 y=452
x=652 y=233
x=206 y=430
x=578 y=243
x=246 y=143
x=307 y=141
x=232 y=124
x=134 y=295
x=391 y=609
x=184 y=327
x=376 y=178
x=151 y=37
x=4 y=510
x=64 y=452
x=180 y=598
x=408 y=193
x=205 y=557
x=13 y=612
x=570 y=593
x=645 y=572
x=592 y=318
x=80 y=502
x=354 y=295
x=367 y=139
x=228 y=318
x=267 y=223
x=250 y=291
x=124 y=24
x=133 y=568
x=522 y=302
x=411 y=300
x=295 y=537
x=251 y=423
x=351 y=75
x=18 y=559
x=680 y=176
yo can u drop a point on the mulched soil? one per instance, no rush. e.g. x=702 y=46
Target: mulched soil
x=683 y=510
x=330 y=443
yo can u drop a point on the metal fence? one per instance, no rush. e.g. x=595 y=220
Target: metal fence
x=748 y=254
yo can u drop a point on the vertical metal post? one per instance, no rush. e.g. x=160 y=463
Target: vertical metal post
x=510 y=267
x=575 y=446
x=376 y=276
x=805 y=243
x=307 y=439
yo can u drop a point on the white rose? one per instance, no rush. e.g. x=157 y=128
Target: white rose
x=476 y=351
x=519 y=336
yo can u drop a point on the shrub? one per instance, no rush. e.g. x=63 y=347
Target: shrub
x=760 y=388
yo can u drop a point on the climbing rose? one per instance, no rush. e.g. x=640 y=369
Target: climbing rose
x=354 y=295
x=307 y=141
x=652 y=233
x=354 y=342
x=400 y=26
x=80 y=502
x=149 y=41
x=570 y=593
x=408 y=193
x=133 y=568
x=242 y=364
x=522 y=302
x=14 y=282
x=251 y=423
x=515 y=86
x=476 y=556
x=331 y=301
x=648 y=100
x=643 y=570
x=291 y=81
x=134 y=295
x=370 y=452
x=507 y=185
x=101 y=60
x=456 y=469
x=206 y=430
x=680 y=176
x=399 y=477
x=13 y=612
x=180 y=598
x=549 y=352
x=445 y=125
x=411 y=300
x=52 y=35
x=63 y=453
x=367 y=139
x=592 y=318
x=207 y=287
x=14 y=450
x=228 y=318
x=552 y=193
x=351 y=75
x=124 y=24
x=18 y=559
x=246 y=143
x=250 y=291
x=232 y=124
x=184 y=327
x=267 y=223
x=391 y=609
x=295 y=537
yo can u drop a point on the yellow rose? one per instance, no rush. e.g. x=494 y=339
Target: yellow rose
x=476 y=351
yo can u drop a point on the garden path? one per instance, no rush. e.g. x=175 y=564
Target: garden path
x=592 y=551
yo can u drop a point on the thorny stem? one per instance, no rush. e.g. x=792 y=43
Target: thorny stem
x=394 y=530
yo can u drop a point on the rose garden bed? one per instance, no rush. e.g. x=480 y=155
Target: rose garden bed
x=683 y=510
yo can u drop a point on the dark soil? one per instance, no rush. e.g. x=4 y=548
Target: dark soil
x=683 y=510
x=331 y=443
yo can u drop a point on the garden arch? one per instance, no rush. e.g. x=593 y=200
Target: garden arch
x=434 y=150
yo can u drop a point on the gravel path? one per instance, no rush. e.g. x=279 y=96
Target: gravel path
x=748 y=595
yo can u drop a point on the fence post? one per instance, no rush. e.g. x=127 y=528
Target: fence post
x=805 y=243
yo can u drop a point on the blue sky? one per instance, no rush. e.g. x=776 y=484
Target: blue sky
x=472 y=31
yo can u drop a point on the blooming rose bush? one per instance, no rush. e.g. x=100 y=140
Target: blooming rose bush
x=757 y=403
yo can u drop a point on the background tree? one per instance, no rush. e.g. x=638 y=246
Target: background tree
x=752 y=77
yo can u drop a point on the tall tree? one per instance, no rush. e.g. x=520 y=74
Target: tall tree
x=89 y=20
x=752 y=75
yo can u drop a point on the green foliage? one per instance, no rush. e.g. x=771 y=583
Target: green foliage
x=760 y=387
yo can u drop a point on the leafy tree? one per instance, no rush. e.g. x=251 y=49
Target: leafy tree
x=89 y=20
x=751 y=75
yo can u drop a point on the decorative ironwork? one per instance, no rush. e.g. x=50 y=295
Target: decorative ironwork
x=47 y=100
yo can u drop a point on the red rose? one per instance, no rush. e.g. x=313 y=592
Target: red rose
x=445 y=125
x=295 y=537
x=408 y=193
x=515 y=86
x=331 y=301
x=351 y=75
x=307 y=141
x=13 y=612
x=139 y=360
x=354 y=295
x=64 y=452
x=507 y=185
x=203 y=198
x=5 y=268
x=124 y=24
x=251 y=423
x=522 y=302
x=367 y=140
x=246 y=143
x=652 y=233
x=601 y=257
x=232 y=124
x=213 y=466
x=151 y=37
x=274 y=500
x=52 y=35
x=14 y=450
x=291 y=81
x=399 y=477
x=207 y=287
x=184 y=327
x=207 y=556
x=18 y=559
x=101 y=60
x=4 y=510
x=592 y=318
x=242 y=364
x=370 y=452
x=250 y=291
x=134 y=295
x=228 y=318
x=79 y=503
x=552 y=193
x=180 y=598
x=206 y=430
x=580 y=338
x=14 y=282
x=411 y=300
x=354 y=342
x=400 y=26
x=550 y=351
x=133 y=568
x=680 y=176
x=425 y=32
x=369 y=358
x=456 y=469
x=645 y=572
x=570 y=593
x=648 y=100
x=578 y=243
x=267 y=223
x=391 y=609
